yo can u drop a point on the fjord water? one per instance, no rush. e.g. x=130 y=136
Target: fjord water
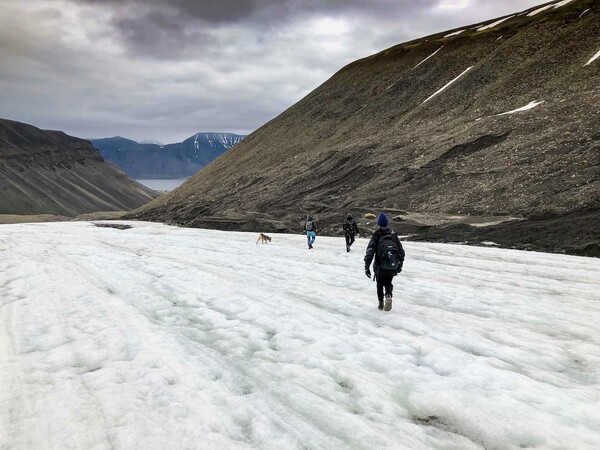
x=163 y=185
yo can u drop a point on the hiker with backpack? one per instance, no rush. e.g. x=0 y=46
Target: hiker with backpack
x=311 y=231
x=388 y=255
x=350 y=229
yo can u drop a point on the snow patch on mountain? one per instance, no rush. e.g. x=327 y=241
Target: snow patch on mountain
x=494 y=24
x=539 y=10
x=527 y=107
x=447 y=85
x=430 y=56
x=562 y=3
x=456 y=33
x=550 y=6
x=593 y=58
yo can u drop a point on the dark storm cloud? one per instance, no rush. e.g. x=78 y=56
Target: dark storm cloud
x=169 y=28
x=160 y=35
x=208 y=10
x=165 y=69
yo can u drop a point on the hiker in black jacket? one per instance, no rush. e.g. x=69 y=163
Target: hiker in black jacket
x=385 y=248
x=350 y=229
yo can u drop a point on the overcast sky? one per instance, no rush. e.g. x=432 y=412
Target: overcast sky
x=162 y=70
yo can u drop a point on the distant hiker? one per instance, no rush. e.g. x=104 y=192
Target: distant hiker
x=386 y=249
x=311 y=231
x=350 y=229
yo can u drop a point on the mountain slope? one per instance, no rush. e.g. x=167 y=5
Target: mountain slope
x=163 y=334
x=501 y=119
x=169 y=161
x=49 y=172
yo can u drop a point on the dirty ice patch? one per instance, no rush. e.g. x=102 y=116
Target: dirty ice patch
x=430 y=56
x=446 y=86
x=593 y=58
x=527 y=107
x=494 y=24
x=456 y=33
x=490 y=243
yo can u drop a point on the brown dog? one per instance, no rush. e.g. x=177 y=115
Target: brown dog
x=263 y=238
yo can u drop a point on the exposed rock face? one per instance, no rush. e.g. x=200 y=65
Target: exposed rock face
x=170 y=161
x=49 y=172
x=429 y=126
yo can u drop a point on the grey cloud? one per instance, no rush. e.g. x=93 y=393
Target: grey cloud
x=208 y=10
x=171 y=29
x=159 y=35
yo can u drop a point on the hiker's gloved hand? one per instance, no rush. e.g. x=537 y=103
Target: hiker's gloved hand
x=368 y=272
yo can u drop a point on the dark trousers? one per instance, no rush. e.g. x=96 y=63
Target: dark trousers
x=349 y=239
x=384 y=282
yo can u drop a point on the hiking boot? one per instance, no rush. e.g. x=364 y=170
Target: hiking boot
x=388 y=302
x=347 y=248
x=310 y=246
x=380 y=307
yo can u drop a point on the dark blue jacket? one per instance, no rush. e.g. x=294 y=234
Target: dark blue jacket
x=374 y=243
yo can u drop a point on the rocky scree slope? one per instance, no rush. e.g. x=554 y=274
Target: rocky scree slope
x=170 y=161
x=50 y=172
x=499 y=119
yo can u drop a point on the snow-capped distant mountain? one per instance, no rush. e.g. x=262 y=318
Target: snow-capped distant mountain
x=180 y=160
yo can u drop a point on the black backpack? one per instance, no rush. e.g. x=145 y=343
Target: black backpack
x=388 y=253
x=350 y=226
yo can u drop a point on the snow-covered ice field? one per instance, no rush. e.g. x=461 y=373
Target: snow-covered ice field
x=159 y=337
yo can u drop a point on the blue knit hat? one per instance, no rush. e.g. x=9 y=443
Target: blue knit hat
x=382 y=220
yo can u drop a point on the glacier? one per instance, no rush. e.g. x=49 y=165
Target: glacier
x=164 y=337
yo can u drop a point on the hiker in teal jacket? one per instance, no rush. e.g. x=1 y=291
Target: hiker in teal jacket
x=311 y=231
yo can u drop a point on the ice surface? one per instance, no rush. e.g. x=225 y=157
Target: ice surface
x=160 y=337
x=527 y=107
x=593 y=58
x=446 y=86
